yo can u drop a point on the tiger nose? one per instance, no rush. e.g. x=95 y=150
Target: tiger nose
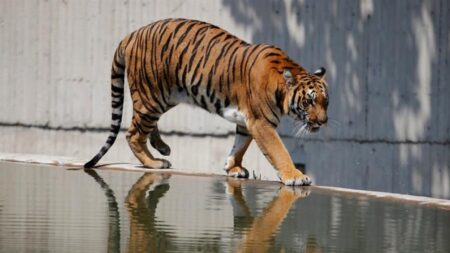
x=322 y=120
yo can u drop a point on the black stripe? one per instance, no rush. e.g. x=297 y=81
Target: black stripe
x=115 y=116
x=233 y=54
x=183 y=36
x=114 y=129
x=116 y=61
x=194 y=88
x=116 y=89
x=209 y=84
x=183 y=78
x=229 y=46
x=213 y=96
x=218 y=106
x=227 y=102
x=219 y=57
x=242 y=62
x=194 y=75
x=154 y=96
x=249 y=56
x=210 y=45
x=240 y=132
x=130 y=39
x=115 y=75
x=177 y=77
x=163 y=31
x=271 y=54
x=141 y=130
x=183 y=52
x=233 y=70
x=256 y=57
x=164 y=47
x=198 y=42
x=181 y=24
x=170 y=55
x=268 y=120
x=148 y=124
x=279 y=99
x=293 y=97
x=147 y=116
x=117 y=104
x=272 y=111
x=203 y=101
x=146 y=81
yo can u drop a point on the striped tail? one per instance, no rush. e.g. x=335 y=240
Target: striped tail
x=117 y=94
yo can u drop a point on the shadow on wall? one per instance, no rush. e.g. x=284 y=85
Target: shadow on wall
x=386 y=67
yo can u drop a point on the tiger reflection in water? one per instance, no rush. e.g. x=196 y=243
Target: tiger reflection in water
x=261 y=230
x=147 y=234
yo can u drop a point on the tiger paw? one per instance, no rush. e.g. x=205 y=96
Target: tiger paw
x=159 y=164
x=294 y=177
x=237 y=172
x=294 y=192
x=162 y=147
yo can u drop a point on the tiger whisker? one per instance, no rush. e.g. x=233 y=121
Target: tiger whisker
x=333 y=122
x=301 y=131
x=296 y=127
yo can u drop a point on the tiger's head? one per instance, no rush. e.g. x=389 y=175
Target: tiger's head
x=307 y=98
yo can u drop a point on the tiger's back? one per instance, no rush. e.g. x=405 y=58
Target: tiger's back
x=191 y=61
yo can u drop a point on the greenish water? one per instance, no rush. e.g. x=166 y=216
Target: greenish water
x=50 y=209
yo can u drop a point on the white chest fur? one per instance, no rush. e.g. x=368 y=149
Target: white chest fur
x=234 y=115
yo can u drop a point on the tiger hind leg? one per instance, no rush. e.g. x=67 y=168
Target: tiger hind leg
x=158 y=143
x=233 y=165
x=137 y=137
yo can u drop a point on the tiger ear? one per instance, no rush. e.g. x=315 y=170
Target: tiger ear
x=320 y=72
x=287 y=74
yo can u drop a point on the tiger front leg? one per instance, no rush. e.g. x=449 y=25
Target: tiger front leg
x=273 y=148
x=233 y=166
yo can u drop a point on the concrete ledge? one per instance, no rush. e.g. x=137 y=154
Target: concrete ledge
x=72 y=163
x=391 y=197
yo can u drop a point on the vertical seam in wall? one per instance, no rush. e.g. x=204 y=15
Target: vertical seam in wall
x=366 y=85
x=439 y=42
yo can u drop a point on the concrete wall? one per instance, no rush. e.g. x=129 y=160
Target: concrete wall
x=388 y=71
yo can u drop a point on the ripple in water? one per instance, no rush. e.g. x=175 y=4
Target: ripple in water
x=49 y=209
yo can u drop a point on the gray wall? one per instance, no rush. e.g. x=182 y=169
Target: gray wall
x=388 y=71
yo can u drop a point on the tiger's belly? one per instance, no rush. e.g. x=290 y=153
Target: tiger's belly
x=230 y=113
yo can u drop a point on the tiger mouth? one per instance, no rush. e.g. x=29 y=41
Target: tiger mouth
x=313 y=128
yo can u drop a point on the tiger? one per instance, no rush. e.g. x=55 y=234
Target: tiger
x=175 y=61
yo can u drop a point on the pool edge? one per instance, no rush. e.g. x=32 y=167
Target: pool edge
x=71 y=163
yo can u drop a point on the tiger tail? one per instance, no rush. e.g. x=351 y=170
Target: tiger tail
x=117 y=98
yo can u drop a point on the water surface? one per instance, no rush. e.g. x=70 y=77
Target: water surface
x=50 y=209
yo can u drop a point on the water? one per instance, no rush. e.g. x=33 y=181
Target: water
x=50 y=209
